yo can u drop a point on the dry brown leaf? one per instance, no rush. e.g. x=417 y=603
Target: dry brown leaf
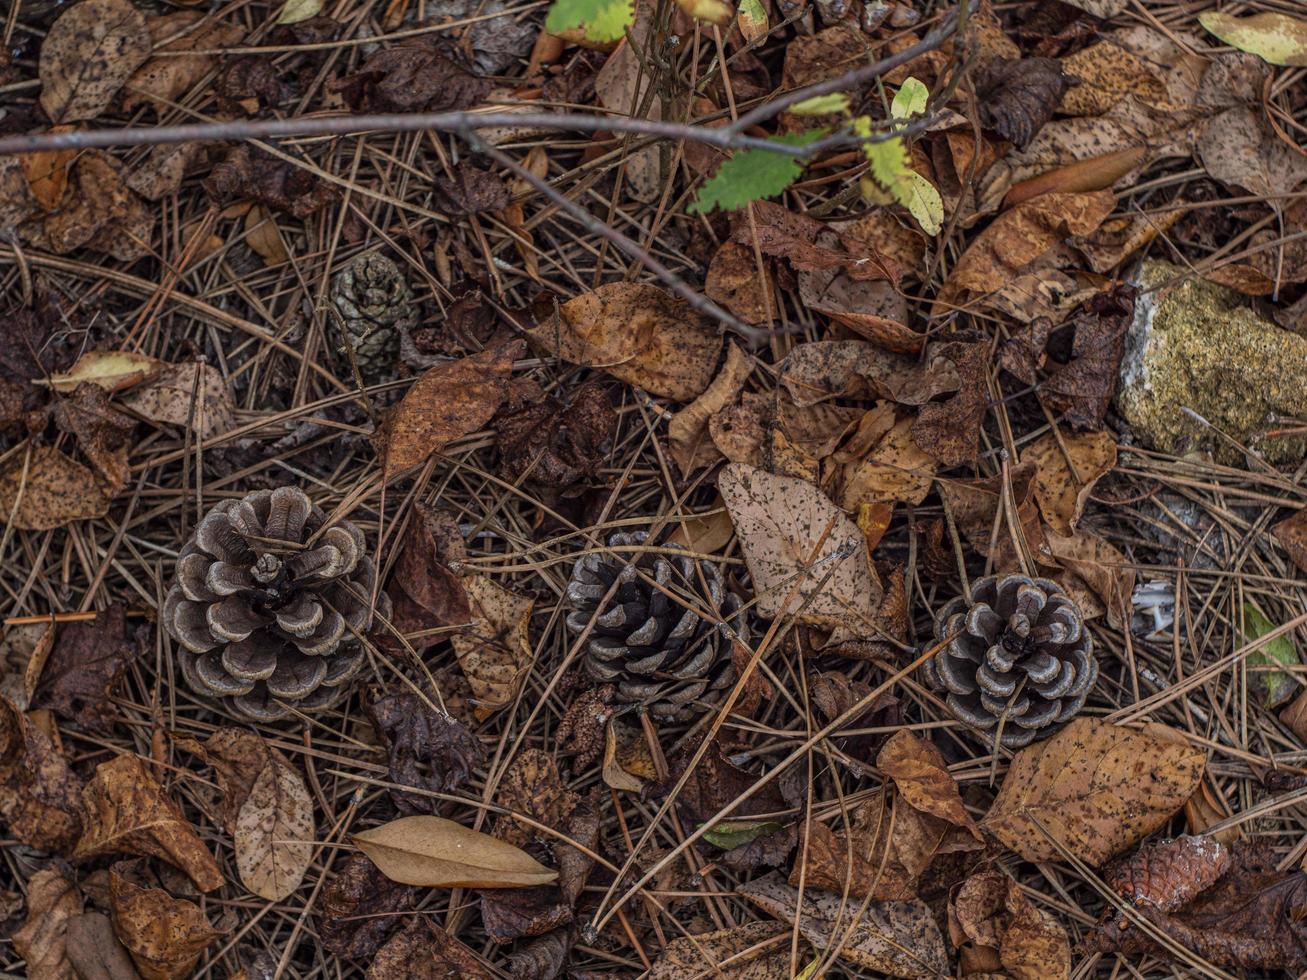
x=995 y=925
x=628 y=764
x=1107 y=72
x=1095 y=787
x=1292 y=535
x=1101 y=567
x=94 y=951
x=1238 y=149
x=921 y=775
x=638 y=333
x=432 y=852
x=360 y=908
x=262 y=236
x=166 y=79
x=161 y=173
x=47 y=173
x=894 y=470
x=47 y=490
x=423 y=951
x=40 y=795
x=99 y=211
x=91 y=50
x=127 y=813
x=873 y=309
x=751 y=951
x=687 y=431
x=52 y=900
x=806 y=557
x=1066 y=470
x=446 y=403
x=190 y=395
x=818 y=371
x=733 y=282
x=976 y=503
x=807 y=244
x=899 y=939
x=705 y=533
x=1016 y=238
x=163 y=934
x=112 y=370
x=494 y=651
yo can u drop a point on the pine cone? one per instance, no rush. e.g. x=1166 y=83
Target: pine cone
x=376 y=306
x=267 y=605
x=1023 y=656
x=656 y=651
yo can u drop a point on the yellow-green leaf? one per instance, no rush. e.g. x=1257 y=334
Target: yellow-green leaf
x=892 y=171
x=1276 y=38
x=603 y=20
x=911 y=98
x=752 y=20
x=822 y=105
x=112 y=370
x=298 y=10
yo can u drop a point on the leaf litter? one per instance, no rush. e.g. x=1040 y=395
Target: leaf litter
x=914 y=388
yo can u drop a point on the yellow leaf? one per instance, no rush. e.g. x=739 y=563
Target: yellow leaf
x=298 y=10
x=112 y=370
x=1276 y=38
x=432 y=852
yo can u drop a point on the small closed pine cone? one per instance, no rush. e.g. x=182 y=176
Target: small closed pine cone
x=267 y=605
x=375 y=306
x=1022 y=656
x=658 y=653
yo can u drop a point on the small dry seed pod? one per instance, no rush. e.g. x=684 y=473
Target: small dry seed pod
x=267 y=610
x=659 y=653
x=1022 y=656
x=375 y=305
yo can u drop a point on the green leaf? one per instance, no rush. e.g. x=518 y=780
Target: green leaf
x=751 y=175
x=892 y=170
x=1272 y=687
x=911 y=98
x=603 y=20
x=752 y=19
x=1275 y=38
x=822 y=105
x=730 y=834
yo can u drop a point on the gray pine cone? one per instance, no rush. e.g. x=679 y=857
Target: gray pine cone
x=375 y=306
x=658 y=653
x=267 y=605
x=1023 y=656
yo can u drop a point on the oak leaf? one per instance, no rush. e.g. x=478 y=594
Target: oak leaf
x=1095 y=788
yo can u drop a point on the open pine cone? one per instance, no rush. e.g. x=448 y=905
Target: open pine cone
x=267 y=605
x=658 y=653
x=375 y=306
x=1022 y=656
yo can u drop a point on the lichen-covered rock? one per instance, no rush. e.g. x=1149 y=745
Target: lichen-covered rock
x=1198 y=346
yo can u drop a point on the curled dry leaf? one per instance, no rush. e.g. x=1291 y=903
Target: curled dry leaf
x=427 y=749
x=91 y=50
x=423 y=951
x=126 y=812
x=825 y=369
x=250 y=173
x=1100 y=568
x=1066 y=468
x=638 y=333
x=102 y=433
x=806 y=557
x=1017 y=97
x=921 y=775
x=751 y=951
x=995 y=926
x=808 y=245
x=266 y=808
x=112 y=370
x=1082 y=388
x=899 y=939
x=46 y=489
x=873 y=309
x=895 y=469
x=732 y=281
x=40 y=795
x=163 y=934
x=494 y=650
x=628 y=764
x=100 y=212
x=360 y=907
x=190 y=394
x=551 y=444
x=949 y=430
x=1292 y=535
x=166 y=79
x=416 y=75
x=975 y=504
x=516 y=913
x=1095 y=788
x=84 y=666
x=425 y=591
x=446 y=403
x=432 y=852
x=687 y=430
x=52 y=901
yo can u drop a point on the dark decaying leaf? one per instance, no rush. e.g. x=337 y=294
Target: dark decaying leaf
x=575 y=864
x=85 y=665
x=532 y=786
x=582 y=728
x=250 y=173
x=809 y=245
x=949 y=430
x=359 y=908
x=543 y=958
x=1017 y=97
x=101 y=432
x=424 y=590
x=40 y=796
x=30 y=352
x=248 y=85
x=427 y=748
x=556 y=445
x=514 y=913
x=1082 y=388
x=423 y=951
x=470 y=191
x=417 y=75
x=93 y=949
x=834 y=693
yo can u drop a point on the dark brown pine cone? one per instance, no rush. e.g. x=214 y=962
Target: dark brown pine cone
x=1022 y=655
x=658 y=653
x=376 y=305
x=268 y=605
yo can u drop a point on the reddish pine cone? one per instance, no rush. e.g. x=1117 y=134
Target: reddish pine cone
x=268 y=606
x=1022 y=655
x=1169 y=874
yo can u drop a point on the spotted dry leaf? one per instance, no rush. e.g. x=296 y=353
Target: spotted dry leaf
x=91 y=50
x=751 y=951
x=52 y=900
x=687 y=431
x=494 y=651
x=40 y=795
x=899 y=939
x=806 y=557
x=360 y=908
x=426 y=952
x=189 y=394
x=733 y=282
x=127 y=813
x=1060 y=492
x=165 y=79
x=638 y=333
x=996 y=926
x=163 y=934
x=1094 y=787
x=48 y=490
